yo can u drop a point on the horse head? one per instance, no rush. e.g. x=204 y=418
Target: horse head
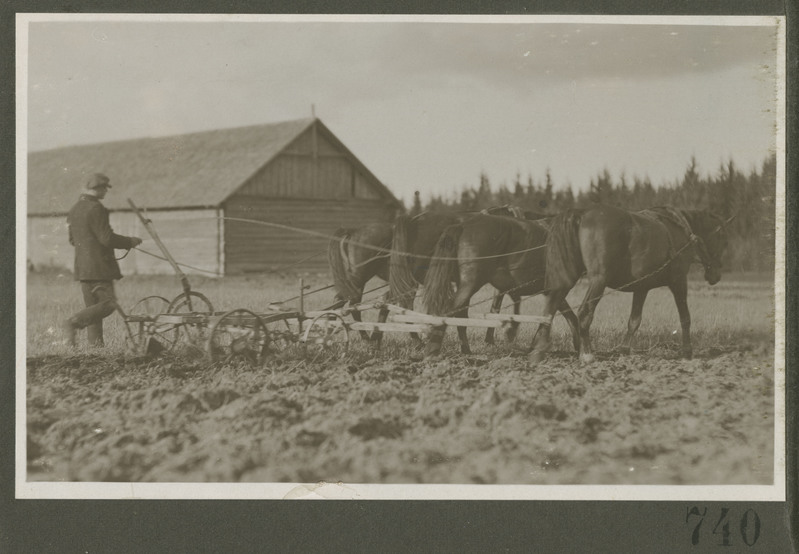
x=712 y=243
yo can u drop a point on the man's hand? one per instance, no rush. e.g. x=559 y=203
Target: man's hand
x=135 y=241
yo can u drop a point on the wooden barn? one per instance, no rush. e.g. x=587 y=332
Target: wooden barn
x=250 y=199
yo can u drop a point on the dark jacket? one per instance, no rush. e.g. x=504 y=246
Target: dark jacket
x=94 y=241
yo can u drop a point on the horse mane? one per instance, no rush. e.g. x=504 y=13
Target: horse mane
x=703 y=221
x=700 y=222
x=703 y=225
x=339 y=265
x=438 y=293
x=564 y=261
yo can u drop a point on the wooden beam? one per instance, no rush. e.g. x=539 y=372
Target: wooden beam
x=456 y=321
x=509 y=318
x=390 y=327
x=404 y=314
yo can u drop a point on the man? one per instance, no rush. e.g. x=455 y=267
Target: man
x=95 y=265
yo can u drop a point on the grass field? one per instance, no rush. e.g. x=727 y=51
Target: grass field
x=491 y=417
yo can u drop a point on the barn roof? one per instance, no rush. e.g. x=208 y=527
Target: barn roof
x=182 y=171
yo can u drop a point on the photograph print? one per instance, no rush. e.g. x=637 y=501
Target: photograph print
x=525 y=257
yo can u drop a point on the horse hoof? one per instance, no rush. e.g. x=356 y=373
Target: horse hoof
x=536 y=356
x=624 y=350
x=688 y=355
x=586 y=358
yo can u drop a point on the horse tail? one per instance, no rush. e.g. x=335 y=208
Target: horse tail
x=401 y=283
x=442 y=272
x=339 y=265
x=564 y=259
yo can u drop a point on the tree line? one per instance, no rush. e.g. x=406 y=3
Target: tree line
x=749 y=199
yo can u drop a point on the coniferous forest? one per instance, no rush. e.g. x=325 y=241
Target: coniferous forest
x=748 y=198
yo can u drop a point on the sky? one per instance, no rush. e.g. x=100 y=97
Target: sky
x=425 y=105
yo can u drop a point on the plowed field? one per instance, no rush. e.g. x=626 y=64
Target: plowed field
x=492 y=417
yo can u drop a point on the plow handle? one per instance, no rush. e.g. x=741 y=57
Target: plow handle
x=184 y=281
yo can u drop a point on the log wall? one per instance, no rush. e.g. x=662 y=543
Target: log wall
x=250 y=247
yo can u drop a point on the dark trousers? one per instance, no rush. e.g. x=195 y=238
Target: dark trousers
x=100 y=303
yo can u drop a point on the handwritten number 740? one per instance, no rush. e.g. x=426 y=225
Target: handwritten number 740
x=749 y=526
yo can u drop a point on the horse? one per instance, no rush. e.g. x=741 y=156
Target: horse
x=414 y=241
x=509 y=210
x=508 y=253
x=630 y=252
x=356 y=256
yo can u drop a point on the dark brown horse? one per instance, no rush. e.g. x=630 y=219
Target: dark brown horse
x=414 y=241
x=419 y=236
x=356 y=256
x=508 y=253
x=630 y=252
x=496 y=305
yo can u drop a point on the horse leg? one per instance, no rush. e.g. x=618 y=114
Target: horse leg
x=574 y=323
x=541 y=339
x=356 y=314
x=679 y=289
x=434 y=340
x=461 y=309
x=496 y=306
x=513 y=329
x=634 y=322
x=377 y=336
x=596 y=286
x=407 y=303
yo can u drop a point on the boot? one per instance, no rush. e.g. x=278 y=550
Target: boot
x=69 y=332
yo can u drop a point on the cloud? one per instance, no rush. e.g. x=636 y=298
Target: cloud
x=515 y=54
x=424 y=104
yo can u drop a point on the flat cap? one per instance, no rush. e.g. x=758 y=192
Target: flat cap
x=98 y=180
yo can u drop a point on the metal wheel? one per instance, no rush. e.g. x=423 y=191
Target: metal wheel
x=327 y=336
x=238 y=335
x=142 y=320
x=282 y=335
x=196 y=333
x=188 y=303
x=150 y=305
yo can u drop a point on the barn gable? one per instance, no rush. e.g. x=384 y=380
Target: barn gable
x=316 y=165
